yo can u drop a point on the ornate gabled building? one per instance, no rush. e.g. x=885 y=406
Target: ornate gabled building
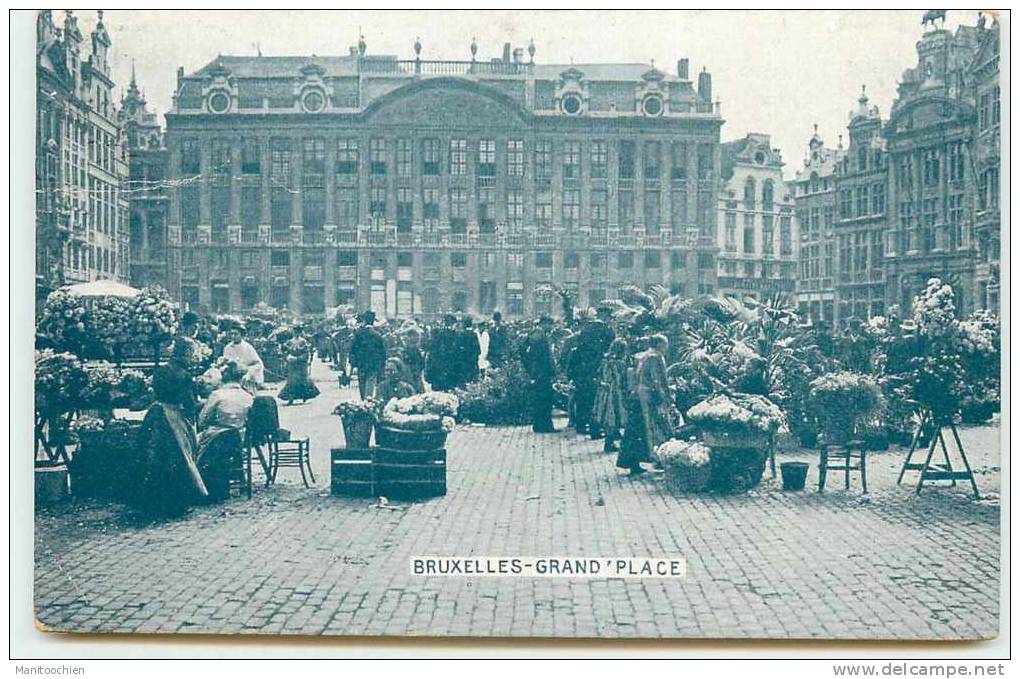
x=149 y=200
x=414 y=187
x=814 y=190
x=757 y=233
x=861 y=180
x=80 y=165
x=984 y=78
x=934 y=186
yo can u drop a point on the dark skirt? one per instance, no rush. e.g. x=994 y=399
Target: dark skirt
x=299 y=386
x=633 y=447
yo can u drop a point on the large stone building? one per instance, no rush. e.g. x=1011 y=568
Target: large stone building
x=757 y=232
x=814 y=188
x=148 y=198
x=934 y=188
x=984 y=78
x=416 y=187
x=80 y=163
x=861 y=179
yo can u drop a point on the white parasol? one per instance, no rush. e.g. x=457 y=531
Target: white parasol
x=105 y=288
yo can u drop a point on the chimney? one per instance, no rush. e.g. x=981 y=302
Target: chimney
x=681 y=69
x=518 y=55
x=705 y=85
x=180 y=76
x=506 y=53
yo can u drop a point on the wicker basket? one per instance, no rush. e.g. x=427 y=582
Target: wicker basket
x=734 y=437
x=684 y=478
x=357 y=430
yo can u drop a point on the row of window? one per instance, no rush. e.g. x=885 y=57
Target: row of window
x=816 y=261
x=768 y=191
x=431 y=156
x=862 y=201
x=934 y=162
x=486 y=207
x=767 y=244
x=597 y=261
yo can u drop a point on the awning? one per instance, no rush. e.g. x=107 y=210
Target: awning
x=101 y=289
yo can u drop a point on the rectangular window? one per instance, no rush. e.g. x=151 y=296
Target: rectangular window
x=954 y=214
x=191 y=157
x=705 y=161
x=515 y=207
x=905 y=174
x=280 y=161
x=458 y=210
x=347 y=258
x=599 y=209
x=190 y=206
x=956 y=162
x=279 y=258
x=377 y=156
x=220 y=211
x=748 y=233
x=767 y=245
x=678 y=156
x=250 y=157
x=313 y=161
x=785 y=236
x=571 y=260
x=430 y=158
x=653 y=259
x=653 y=215
x=404 y=161
x=995 y=105
x=571 y=160
x=313 y=208
x=543 y=214
x=251 y=204
x=625 y=260
x=571 y=208
x=543 y=162
x=486 y=158
x=347 y=156
x=929 y=215
x=931 y=167
x=486 y=210
x=347 y=203
x=878 y=199
x=405 y=209
x=626 y=163
x=280 y=211
x=876 y=250
x=430 y=206
x=626 y=208
x=458 y=157
x=377 y=204
x=678 y=260
x=846 y=204
x=543 y=260
x=515 y=158
x=731 y=231
x=599 y=159
x=652 y=160
x=863 y=205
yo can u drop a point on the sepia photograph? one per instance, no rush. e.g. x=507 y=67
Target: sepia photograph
x=675 y=325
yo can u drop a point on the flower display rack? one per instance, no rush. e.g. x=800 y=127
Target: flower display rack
x=932 y=471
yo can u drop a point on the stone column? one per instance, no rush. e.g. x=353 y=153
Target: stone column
x=295 y=182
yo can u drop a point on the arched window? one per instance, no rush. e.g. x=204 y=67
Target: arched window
x=814 y=182
x=768 y=194
x=749 y=187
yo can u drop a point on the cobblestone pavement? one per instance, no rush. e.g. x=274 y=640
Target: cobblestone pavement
x=765 y=564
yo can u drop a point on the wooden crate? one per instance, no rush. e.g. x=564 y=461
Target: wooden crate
x=403 y=475
x=350 y=472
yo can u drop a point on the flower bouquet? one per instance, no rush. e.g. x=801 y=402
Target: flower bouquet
x=686 y=463
x=419 y=422
x=844 y=402
x=358 y=418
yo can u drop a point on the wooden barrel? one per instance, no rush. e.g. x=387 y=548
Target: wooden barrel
x=405 y=475
x=350 y=472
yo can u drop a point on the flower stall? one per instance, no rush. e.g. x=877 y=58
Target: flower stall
x=738 y=429
x=420 y=422
x=60 y=379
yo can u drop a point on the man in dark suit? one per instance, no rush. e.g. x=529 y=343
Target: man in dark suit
x=442 y=367
x=592 y=344
x=498 y=341
x=368 y=355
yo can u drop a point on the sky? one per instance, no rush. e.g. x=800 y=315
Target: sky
x=775 y=72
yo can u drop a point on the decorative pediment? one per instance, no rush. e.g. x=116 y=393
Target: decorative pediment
x=310 y=90
x=651 y=96
x=219 y=90
x=572 y=94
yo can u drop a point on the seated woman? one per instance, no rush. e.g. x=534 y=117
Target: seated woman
x=394 y=382
x=221 y=431
x=169 y=480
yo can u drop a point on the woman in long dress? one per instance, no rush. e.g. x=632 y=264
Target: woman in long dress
x=648 y=407
x=299 y=386
x=610 y=411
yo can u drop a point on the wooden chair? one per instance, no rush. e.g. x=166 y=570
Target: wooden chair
x=287 y=452
x=262 y=427
x=842 y=457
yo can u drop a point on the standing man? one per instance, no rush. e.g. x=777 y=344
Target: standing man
x=583 y=366
x=538 y=363
x=441 y=367
x=470 y=350
x=498 y=341
x=368 y=356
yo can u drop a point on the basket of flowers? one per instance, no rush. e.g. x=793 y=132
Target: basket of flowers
x=844 y=402
x=357 y=418
x=420 y=422
x=105 y=461
x=737 y=420
x=686 y=465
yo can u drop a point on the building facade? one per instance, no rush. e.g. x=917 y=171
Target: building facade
x=934 y=186
x=148 y=198
x=757 y=232
x=415 y=187
x=81 y=167
x=984 y=75
x=861 y=180
x=814 y=190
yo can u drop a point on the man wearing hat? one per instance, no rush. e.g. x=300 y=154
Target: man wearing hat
x=538 y=363
x=368 y=355
x=583 y=366
x=443 y=367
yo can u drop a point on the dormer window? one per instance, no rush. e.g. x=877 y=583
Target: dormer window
x=219 y=102
x=571 y=104
x=652 y=105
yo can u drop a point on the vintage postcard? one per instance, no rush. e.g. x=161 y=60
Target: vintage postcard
x=678 y=325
